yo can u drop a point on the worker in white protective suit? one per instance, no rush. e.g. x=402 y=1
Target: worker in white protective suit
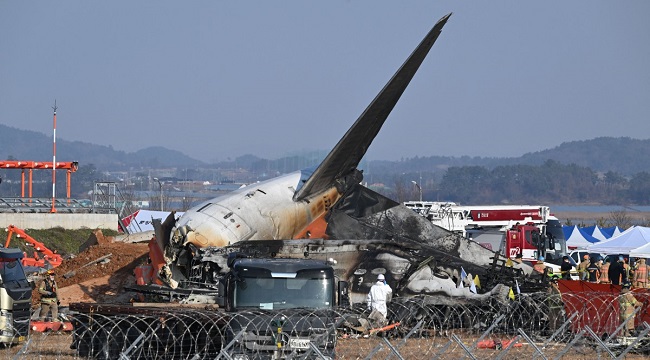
x=379 y=294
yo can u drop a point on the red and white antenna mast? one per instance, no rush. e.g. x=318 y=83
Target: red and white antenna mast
x=53 y=210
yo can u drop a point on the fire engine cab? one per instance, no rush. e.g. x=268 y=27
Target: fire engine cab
x=529 y=230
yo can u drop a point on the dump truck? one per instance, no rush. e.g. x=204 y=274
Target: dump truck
x=15 y=297
x=269 y=308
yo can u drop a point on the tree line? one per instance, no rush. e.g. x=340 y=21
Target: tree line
x=551 y=182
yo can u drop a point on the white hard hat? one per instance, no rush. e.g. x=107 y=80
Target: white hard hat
x=380 y=277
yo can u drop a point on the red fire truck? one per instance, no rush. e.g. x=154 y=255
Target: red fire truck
x=509 y=229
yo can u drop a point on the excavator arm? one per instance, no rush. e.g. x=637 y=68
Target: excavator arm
x=48 y=255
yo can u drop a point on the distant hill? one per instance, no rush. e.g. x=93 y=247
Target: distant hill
x=30 y=145
x=623 y=155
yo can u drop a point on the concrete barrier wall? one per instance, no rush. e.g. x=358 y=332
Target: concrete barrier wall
x=66 y=221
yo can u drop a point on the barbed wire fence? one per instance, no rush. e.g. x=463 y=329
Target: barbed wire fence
x=532 y=326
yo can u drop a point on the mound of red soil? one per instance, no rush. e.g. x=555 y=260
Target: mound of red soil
x=111 y=276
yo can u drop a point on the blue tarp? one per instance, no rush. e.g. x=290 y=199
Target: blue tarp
x=596 y=232
x=611 y=231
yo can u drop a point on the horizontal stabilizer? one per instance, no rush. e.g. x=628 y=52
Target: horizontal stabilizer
x=349 y=151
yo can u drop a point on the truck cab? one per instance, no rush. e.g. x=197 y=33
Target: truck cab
x=282 y=308
x=15 y=297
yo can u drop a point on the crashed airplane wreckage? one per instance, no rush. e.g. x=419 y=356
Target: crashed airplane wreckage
x=325 y=213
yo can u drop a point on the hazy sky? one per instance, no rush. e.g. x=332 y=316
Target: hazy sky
x=217 y=79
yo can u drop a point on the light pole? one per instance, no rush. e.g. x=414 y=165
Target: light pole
x=419 y=188
x=161 y=193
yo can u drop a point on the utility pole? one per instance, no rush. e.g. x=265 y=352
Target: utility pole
x=419 y=188
x=53 y=210
x=161 y=193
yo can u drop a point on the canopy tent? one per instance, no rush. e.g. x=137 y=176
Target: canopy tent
x=641 y=252
x=595 y=232
x=611 y=231
x=627 y=241
x=577 y=238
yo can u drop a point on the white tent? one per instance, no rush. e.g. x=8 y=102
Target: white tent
x=641 y=252
x=598 y=234
x=577 y=238
x=627 y=241
x=611 y=231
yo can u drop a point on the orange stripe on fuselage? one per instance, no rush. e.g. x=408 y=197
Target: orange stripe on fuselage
x=318 y=208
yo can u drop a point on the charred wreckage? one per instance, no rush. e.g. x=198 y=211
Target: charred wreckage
x=320 y=214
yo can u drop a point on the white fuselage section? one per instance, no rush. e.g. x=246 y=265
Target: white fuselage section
x=260 y=211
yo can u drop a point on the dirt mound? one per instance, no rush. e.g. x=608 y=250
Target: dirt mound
x=107 y=278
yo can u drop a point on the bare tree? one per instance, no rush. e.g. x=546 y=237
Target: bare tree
x=602 y=222
x=620 y=218
x=401 y=191
x=186 y=203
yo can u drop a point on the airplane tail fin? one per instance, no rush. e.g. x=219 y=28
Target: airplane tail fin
x=349 y=151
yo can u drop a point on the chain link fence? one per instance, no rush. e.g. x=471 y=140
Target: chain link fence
x=585 y=325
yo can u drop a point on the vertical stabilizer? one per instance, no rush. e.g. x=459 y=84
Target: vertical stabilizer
x=349 y=151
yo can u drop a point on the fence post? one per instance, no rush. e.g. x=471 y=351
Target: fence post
x=548 y=341
x=460 y=342
x=224 y=351
x=410 y=333
x=124 y=355
x=444 y=348
x=531 y=343
x=570 y=344
x=489 y=330
x=600 y=342
x=620 y=327
x=638 y=338
x=505 y=351
x=390 y=346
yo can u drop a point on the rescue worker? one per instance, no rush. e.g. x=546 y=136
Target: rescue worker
x=555 y=305
x=539 y=266
x=582 y=268
x=627 y=302
x=628 y=269
x=49 y=300
x=616 y=272
x=604 y=273
x=519 y=259
x=377 y=298
x=565 y=268
x=640 y=279
x=593 y=270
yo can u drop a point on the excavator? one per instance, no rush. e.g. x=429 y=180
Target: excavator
x=42 y=257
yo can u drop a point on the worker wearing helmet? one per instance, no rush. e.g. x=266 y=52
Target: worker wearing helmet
x=539 y=266
x=49 y=300
x=582 y=267
x=641 y=274
x=565 y=268
x=627 y=302
x=379 y=294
